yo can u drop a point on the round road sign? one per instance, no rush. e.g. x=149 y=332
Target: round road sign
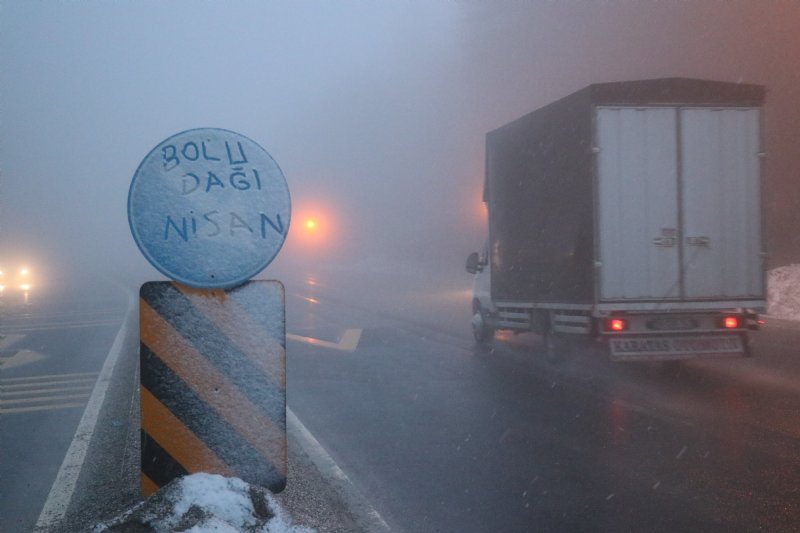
x=209 y=208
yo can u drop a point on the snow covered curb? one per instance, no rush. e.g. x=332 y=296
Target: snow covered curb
x=206 y=503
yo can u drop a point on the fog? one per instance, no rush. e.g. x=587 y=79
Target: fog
x=375 y=111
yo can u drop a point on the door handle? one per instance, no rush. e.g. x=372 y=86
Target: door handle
x=698 y=241
x=665 y=241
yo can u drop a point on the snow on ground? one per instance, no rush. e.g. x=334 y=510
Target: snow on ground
x=206 y=503
x=783 y=292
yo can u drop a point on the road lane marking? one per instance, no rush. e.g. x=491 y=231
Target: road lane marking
x=45 y=391
x=365 y=514
x=66 y=325
x=8 y=340
x=63 y=487
x=47 y=376
x=347 y=343
x=16 y=386
x=22 y=357
x=41 y=408
x=36 y=399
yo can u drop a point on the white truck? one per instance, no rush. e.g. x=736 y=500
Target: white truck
x=628 y=213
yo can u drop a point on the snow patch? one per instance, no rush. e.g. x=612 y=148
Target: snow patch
x=783 y=292
x=206 y=503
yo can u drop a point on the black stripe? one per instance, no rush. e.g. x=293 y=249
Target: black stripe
x=258 y=298
x=174 y=308
x=220 y=437
x=157 y=464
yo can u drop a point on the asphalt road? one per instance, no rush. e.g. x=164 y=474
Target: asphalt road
x=439 y=436
x=444 y=437
x=50 y=357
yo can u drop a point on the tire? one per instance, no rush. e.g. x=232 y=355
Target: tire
x=483 y=333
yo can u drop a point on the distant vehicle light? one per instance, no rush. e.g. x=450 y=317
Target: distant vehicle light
x=730 y=322
x=17 y=279
x=616 y=324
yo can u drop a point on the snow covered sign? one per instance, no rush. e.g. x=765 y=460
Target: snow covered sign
x=209 y=208
x=213 y=383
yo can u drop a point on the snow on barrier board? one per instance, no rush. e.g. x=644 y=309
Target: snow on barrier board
x=213 y=383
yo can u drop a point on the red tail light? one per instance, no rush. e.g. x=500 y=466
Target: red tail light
x=731 y=322
x=616 y=324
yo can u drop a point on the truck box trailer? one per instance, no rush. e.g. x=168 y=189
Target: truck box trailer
x=629 y=212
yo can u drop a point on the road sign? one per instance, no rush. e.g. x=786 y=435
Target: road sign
x=213 y=383
x=209 y=208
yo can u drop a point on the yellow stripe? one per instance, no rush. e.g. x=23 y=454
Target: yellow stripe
x=148 y=486
x=238 y=326
x=212 y=386
x=177 y=440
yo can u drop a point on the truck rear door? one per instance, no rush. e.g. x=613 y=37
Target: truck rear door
x=638 y=199
x=721 y=214
x=679 y=203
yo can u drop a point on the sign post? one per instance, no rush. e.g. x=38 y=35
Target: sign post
x=209 y=209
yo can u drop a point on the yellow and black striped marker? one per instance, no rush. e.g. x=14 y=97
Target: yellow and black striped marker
x=213 y=383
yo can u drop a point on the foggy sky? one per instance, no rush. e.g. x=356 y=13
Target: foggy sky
x=375 y=111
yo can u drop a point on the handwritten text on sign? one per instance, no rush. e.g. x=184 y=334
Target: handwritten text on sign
x=209 y=207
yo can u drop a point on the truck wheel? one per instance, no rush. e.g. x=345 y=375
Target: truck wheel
x=482 y=332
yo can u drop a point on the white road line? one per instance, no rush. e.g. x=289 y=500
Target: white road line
x=45 y=399
x=348 y=342
x=8 y=340
x=25 y=328
x=44 y=391
x=64 y=486
x=369 y=519
x=17 y=386
x=41 y=408
x=50 y=376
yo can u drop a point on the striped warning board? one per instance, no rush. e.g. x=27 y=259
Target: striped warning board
x=213 y=383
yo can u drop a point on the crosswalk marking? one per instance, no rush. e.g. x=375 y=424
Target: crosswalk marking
x=45 y=327
x=55 y=382
x=49 y=376
x=41 y=408
x=45 y=398
x=51 y=392
x=37 y=391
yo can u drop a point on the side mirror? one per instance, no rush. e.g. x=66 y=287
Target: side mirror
x=473 y=265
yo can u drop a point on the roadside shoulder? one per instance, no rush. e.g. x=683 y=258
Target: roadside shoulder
x=318 y=493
